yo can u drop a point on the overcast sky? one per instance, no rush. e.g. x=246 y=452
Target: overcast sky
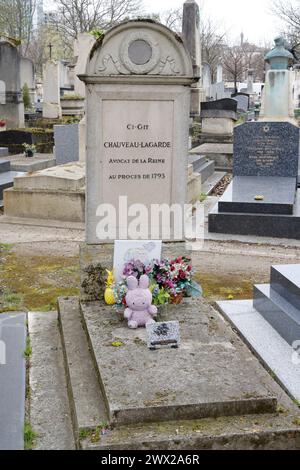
x=253 y=17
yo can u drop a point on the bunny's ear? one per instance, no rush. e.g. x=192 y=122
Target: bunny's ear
x=144 y=282
x=132 y=283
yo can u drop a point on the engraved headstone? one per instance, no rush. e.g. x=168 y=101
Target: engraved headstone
x=138 y=81
x=163 y=334
x=266 y=149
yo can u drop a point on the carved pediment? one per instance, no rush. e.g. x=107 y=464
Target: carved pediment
x=140 y=48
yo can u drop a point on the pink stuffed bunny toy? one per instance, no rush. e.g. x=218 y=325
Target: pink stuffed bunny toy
x=140 y=312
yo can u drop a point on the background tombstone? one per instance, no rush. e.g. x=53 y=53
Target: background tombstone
x=219 y=73
x=66 y=138
x=243 y=101
x=28 y=77
x=51 y=82
x=218 y=117
x=191 y=37
x=82 y=47
x=263 y=199
x=207 y=80
x=138 y=94
x=12 y=111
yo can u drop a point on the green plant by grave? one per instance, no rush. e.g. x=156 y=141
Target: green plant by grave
x=28 y=349
x=29 y=436
x=26 y=97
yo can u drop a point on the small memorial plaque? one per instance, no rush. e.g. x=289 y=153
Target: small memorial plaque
x=163 y=334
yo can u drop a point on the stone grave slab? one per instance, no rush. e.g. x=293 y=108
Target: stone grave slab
x=278 y=193
x=7 y=180
x=4 y=152
x=260 y=225
x=12 y=380
x=70 y=177
x=276 y=353
x=285 y=280
x=4 y=166
x=266 y=149
x=210 y=375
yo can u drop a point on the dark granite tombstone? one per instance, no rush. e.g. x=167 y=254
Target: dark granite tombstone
x=261 y=199
x=266 y=149
x=226 y=104
x=243 y=101
x=225 y=108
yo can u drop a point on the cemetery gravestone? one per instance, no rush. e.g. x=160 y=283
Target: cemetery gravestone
x=263 y=198
x=11 y=103
x=191 y=36
x=218 y=116
x=66 y=140
x=51 y=84
x=138 y=94
x=28 y=78
x=243 y=100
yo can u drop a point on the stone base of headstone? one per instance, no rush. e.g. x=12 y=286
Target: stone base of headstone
x=220 y=153
x=218 y=126
x=212 y=386
x=257 y=224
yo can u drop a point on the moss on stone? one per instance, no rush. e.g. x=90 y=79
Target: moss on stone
x=33 y=283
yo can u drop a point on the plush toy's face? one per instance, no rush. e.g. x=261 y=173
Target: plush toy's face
x=138 y=297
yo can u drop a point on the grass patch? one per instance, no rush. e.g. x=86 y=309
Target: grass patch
x=93 y=434
x=5 y=247
x=224 y=287
x=33 y=283
x=29 y=436
x=10 y=301
x=28 y=349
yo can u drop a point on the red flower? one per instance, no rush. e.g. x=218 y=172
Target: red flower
x=2 y=123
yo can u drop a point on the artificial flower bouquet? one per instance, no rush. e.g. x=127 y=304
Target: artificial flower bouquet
x=170 y=281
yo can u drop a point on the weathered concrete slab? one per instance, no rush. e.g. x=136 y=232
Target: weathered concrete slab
x=85 y=395
x=39 y=161
x=272 y=349
x=12 y=380
x=69 y=177
x=252 y=432
x=49 y=406
x=211 y=375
